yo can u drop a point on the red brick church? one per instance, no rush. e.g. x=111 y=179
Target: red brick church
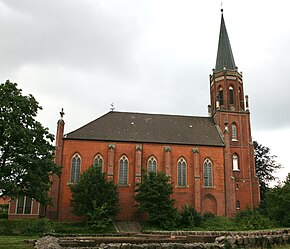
x=210 y=159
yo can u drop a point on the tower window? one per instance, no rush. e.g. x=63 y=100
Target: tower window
x=123 y=171
x=238 y=205
x=181 y=172
x=207 y=173
x=221 y=96
x=152 y=164
x=234 y=132
x=231 y=94
x=98 y=163
x=75 y=169
x=235 y=162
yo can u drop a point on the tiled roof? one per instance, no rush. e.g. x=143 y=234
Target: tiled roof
x=150 y=128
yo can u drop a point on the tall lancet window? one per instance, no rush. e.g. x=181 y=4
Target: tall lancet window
x=152 y=164
x=231 y=94
x=207 y=173
x=181 y=172
x=75 y=168
x=234 y=132
x=123 y=171
x=235 y=162
x=221 y=96
x=98 y=163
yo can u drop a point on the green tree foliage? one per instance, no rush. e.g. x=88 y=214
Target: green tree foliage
x=153 y=196
x=26 y=152
x=266 y=166
x=189 y=217
x=277 y=203
x=95 y=198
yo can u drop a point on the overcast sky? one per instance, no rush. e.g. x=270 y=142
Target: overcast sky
x=151 y=56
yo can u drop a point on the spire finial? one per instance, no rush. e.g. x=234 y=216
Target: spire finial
x=61 y=113
x=222 y=10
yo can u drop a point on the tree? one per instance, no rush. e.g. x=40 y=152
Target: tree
x=277 y=203
x=153 y=195
x=95 y=198
x=26 y=152
x=266 y=166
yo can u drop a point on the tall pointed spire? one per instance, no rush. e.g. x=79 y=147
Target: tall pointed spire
x=225 y=58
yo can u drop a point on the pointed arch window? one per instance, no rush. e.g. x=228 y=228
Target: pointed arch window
x=181 y=172
x=98 y=163
x=238 y=205
x=234 y=132
x=207 y=173
x=75 y=168
x=235 y=162
x=231 y=95
x=123 y=170
x=152 y=164
x=221 y=96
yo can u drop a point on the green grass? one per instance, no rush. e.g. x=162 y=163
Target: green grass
x=15 y=242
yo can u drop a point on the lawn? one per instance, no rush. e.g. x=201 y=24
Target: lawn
x=16 y=242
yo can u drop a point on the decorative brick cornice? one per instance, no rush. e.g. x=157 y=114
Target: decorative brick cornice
x=167 y=149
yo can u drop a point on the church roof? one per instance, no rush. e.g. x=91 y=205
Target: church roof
x=225 y=56
x=150 y=128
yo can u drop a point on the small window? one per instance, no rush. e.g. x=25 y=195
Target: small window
x=234 y=132
x=221 y=96
x=75 y=169
x=231 y=94
x=181 y=172
x=24 y=205
x=235 y=162
x=238 y=205
x=98 y=163
x=123 y=171
x=207 y=173
x=152 y=164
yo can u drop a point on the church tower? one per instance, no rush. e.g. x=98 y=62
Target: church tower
x=230 y=110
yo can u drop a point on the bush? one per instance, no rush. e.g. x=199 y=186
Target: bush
x=4 y=211
x=211 y=222
x=25 y=227
x=28 y=227
x=189 y=217
x=249 y=219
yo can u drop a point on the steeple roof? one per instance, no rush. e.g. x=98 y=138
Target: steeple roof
x=225 y=58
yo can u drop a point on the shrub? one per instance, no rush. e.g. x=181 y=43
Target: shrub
x=25 y=227
x=249 y=219
x=189 y=217
x=211 y=222
x=3 y=211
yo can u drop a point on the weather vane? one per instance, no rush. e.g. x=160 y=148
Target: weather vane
x=112 y=107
